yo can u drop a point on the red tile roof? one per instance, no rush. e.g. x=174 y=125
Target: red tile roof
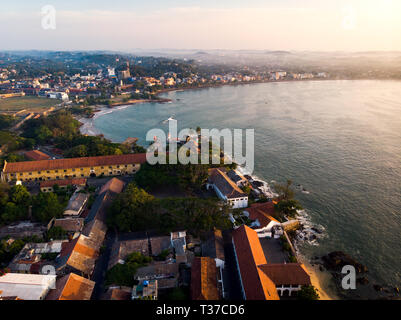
x=114 y=185
x=204 y=279
x=262 y=212
x=67 y=182
x=72 y=287
x=289 y=273
x=27 y=166
x=37 y=155
x=80 y=254
x=256 y=284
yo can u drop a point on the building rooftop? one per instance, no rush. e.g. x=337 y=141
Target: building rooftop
x=76 y=203
x=43 y=165
x=287 y=274
x=121 y=249
x=70 y=224
x=256 y=284
x=226 y=186
x=213 y=247
x=262 y=212
x=79 y=253
x=67 y=182
x=114 y=185
x=204 y=279
x=37 y=155
x=26 y=286
x=159 y=244
x=72 y=287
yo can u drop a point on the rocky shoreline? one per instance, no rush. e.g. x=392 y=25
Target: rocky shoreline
x=366 y=289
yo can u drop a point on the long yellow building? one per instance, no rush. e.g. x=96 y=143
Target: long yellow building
x=73 y=168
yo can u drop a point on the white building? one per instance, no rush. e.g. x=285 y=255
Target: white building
x=26 y=286
x=263 y=221
x=226 y=189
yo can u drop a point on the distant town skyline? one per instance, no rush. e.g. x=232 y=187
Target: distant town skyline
x=344 y=25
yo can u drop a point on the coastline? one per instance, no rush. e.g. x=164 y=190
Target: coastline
x=320 y=279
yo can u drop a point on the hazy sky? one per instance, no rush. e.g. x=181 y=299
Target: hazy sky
x=324 y=25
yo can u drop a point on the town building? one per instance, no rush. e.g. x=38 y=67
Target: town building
x=76 y=204
x=30 y=256
x=145 y=290
x=71 y=224
x=73 y=168
x=226 y=189
x=213 y=247
x=36 y=155
x=78 y=255
x=23 y=229
x=72 y=287
x=249 y=255
x=26 y=286
x=166 y=274
x=204 y=279
x=47 y=186
x=263 y=221
x=259 y=279
x=288 y=278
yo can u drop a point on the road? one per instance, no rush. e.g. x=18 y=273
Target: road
x=99 y=274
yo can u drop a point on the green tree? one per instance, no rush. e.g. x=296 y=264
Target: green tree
x=284 y=190
x=46 y=206
x=308 y=293
x=56 y=233
x=20 y=195
x=288 y=207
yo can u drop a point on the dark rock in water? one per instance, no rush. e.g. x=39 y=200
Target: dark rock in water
x=377 y=287
x=336 y=260
x=248 y=177
x=258 y=183
x=316 y=230
x=363 y=281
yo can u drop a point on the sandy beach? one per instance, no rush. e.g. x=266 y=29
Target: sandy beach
x=320 y=280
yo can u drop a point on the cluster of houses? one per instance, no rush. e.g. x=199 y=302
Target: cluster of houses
x=62 y=269
x=68 y=269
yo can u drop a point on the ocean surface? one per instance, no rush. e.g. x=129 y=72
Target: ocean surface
x=340 y=140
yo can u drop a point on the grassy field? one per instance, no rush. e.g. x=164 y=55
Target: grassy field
x=32 y=104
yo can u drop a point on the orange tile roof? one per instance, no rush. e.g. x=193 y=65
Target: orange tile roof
x=37 y=155
x=204 y=279
x=256 y=284
x=27 y=166
x=114 y=185
x=80 y=254
x=289 y=273
x=72 y=287
x=67 y=182
x=262 y=212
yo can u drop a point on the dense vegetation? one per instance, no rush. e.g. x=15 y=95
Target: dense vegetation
x=308 y=293
x=136 y=210
x=123 y=274
x=15 y=203
x=287 y=205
